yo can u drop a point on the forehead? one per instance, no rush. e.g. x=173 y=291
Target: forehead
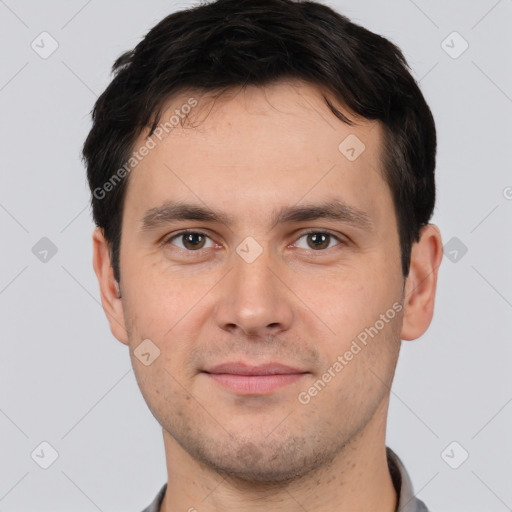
x=256 y=147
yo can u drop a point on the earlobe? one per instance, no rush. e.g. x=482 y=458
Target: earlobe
x=109 y=288
x=420 y=286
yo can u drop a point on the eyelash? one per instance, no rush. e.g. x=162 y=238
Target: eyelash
x=168 y=240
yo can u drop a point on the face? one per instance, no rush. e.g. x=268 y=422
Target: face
x=291 y=257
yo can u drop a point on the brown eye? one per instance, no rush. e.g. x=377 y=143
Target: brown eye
x=193 y=240
x=190 y=240
x=318 y=240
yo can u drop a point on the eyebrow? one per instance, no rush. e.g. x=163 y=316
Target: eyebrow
x=333 y=209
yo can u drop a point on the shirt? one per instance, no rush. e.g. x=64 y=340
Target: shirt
x=407 y=502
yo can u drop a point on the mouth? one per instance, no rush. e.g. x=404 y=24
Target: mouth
x=245 y=379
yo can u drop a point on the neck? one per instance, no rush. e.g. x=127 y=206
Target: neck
x=356 y=480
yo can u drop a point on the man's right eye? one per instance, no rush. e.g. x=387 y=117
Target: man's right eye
x=189 y=240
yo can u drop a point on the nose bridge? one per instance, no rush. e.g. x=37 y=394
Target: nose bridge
x=255 y=301
x=252 y=273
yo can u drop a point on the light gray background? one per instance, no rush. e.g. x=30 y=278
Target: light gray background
x=65 y=380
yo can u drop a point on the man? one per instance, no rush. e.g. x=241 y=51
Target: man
x=262 y=178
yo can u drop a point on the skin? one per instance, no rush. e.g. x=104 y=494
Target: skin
x=248 y=154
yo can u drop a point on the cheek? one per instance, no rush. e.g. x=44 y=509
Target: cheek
x=367 y=360
x=158 y=300
x=160 y=389
x=345 y=302
x=361 y=315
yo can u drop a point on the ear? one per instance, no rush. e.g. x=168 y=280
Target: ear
x=420 y=286
x=110 y=296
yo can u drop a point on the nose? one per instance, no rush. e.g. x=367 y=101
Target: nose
x=254 y=301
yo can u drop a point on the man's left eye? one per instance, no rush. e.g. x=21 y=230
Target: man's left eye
x=319 y=240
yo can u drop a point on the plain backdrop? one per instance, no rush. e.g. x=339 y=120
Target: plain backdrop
x=66 y=381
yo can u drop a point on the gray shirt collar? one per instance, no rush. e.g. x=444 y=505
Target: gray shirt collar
x=407 y=502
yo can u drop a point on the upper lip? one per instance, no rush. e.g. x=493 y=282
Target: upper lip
x=240 y=368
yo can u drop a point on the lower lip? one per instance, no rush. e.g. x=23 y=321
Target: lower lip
x=254 y=384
